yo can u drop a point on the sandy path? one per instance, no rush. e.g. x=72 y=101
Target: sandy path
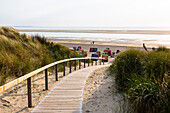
x=100 y=94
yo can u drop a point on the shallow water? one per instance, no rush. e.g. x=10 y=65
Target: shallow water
x=138 y=38
x=132 y=38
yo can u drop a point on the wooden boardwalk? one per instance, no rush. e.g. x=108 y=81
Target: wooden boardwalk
x=67 y=96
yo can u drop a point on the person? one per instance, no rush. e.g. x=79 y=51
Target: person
x=145 y=47
x=93 y=42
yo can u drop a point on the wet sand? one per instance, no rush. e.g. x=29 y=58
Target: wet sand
x=161 y=32
x=86 y=45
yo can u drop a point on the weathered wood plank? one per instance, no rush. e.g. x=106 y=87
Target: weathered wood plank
x=67 y=95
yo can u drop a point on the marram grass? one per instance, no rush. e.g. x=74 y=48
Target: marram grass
x=145 y=79
x=21 y=54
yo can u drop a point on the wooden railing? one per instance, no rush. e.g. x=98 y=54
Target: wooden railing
x=31 y=74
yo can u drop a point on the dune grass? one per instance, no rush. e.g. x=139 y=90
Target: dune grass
x=144 y=78
x=21 y=54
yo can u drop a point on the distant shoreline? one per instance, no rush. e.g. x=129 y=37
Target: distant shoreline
x=116 y=43
x=158 y=32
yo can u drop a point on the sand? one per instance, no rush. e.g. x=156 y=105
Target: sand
x=100 y=94
x=97 y=97
x=86 y=45
x=114 y=45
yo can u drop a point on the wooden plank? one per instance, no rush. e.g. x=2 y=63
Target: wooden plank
x=67 y=95
x=56 y=111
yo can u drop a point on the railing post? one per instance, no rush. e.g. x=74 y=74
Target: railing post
x=63 y=68
x=56 y=73
x=103 y=62
x=75 y=65
x=100 y=61
x=46 y=79
x=29 y=92
x=79 y=65
x=96 y=62
x=70 y=66
x=88 y=62
x=84 y=63
x=92 y=62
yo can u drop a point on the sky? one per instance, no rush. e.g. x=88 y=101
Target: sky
x=85 y=13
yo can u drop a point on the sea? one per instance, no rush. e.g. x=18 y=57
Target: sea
x=160 y=39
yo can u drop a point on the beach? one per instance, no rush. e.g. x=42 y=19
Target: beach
x=130 y=38
x=86 y=45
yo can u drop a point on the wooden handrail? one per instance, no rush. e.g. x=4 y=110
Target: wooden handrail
x=29 y=75
x=20 y=79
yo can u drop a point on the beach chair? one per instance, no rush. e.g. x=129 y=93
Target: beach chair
x=105 y=58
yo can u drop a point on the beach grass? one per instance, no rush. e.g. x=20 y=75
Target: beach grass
x=143 y=76
x=21 y=54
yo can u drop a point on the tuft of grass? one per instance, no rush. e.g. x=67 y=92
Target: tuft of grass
x=148 y=95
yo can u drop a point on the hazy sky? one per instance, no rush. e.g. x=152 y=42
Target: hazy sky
x=85 y=13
